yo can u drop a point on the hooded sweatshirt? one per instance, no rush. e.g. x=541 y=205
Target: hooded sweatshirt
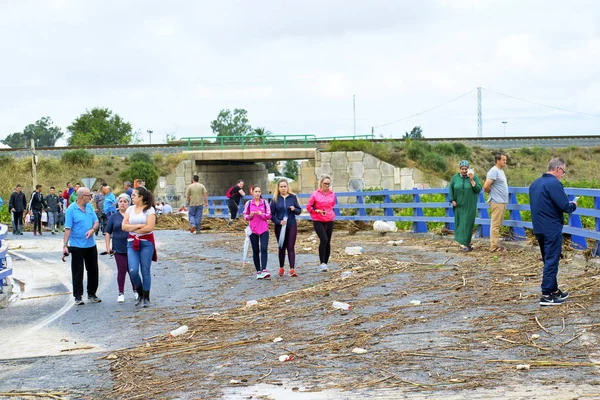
x=258 y=223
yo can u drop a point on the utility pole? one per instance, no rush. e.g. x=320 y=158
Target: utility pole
x=354 y=111
x=150 y=134
x=504 y=123
x=479 y=116
x=33 y=163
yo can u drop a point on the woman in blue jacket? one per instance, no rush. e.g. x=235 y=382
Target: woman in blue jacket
x=284 y=209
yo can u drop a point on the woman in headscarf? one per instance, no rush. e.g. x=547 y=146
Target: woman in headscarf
x=464 y=194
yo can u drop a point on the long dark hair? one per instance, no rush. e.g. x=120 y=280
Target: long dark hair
x=146 y=196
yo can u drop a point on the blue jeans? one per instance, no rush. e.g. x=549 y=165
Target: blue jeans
x=550 y=247
x=195 y=215
x=140 y=258
x=53 y=220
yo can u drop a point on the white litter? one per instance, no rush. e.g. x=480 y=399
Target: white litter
x=385 y=226
x=276 y=340
x=415 y=302
x=358 y=350
x=525 y=367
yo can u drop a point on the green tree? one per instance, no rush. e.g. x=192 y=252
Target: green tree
x=43 y=132
x=141 y=170
x=290 y=169
x=258 y=134
x=99 y=126
x=416 y=133
x=231 y=124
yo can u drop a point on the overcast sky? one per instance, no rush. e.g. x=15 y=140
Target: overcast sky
x=295 y=65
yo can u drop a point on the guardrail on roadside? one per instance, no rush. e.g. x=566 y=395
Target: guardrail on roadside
x=283 y=141
x=217 y=207
x=5 y=260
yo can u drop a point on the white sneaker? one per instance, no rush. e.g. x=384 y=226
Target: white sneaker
x=121 y=298
x=323 y=268
x=259 y=275
x=136 y=295
x=266 y=274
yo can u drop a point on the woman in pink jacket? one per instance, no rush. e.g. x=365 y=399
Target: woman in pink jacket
x=258 y=212
x=320 y=206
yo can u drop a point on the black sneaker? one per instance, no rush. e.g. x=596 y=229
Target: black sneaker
x=561 y=295
x=79 y=301
x=551 y=300
x=94 y=299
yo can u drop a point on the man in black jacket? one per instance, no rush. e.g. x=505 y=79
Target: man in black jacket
x=17 y=205
x=37 y=204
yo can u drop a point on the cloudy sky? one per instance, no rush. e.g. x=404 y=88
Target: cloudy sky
x=295 y=65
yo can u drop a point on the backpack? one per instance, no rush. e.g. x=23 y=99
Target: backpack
x=247 y=206
x=228 y=194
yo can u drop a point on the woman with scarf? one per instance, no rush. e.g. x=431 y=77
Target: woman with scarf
x=464 y=194
x=284 y=208
x=139 y=221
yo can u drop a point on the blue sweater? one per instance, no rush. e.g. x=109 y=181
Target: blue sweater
x=280 y=209
x=548 y=202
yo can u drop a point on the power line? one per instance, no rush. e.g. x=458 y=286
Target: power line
x=426 y=111
x=543 y=105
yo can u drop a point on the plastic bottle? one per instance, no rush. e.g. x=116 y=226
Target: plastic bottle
x=341 y=306
x=285 y=357
x=179 y=331
x=346 y=274
x=354 y=250
x=251 y=303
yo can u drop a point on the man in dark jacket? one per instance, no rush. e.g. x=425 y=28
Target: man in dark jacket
x=37 y=204
x=17 y=205
x=54 y=209
x=548 y=202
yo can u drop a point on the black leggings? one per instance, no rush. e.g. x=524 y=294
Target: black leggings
x=288 y=244
x=233 y=208
x=324 y=230
x=260 y=261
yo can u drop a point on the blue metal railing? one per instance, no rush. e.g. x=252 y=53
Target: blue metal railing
x=5 y=263
x=217 y=207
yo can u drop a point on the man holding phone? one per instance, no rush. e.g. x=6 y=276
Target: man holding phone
x=548 y=202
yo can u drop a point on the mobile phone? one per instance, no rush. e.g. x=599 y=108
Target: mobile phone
x=471 y=171
x=576 y=199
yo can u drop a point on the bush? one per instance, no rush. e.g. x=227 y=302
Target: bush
x=81 y=157
x=434 y=161
x=141 y=170
x=461 y=150
x=140 y=156
x=350 y=145
x=417 y=150
x=444 y=148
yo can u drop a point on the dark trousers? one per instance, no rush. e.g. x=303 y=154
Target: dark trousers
x=289 y=244
x=324 y=230
x=233 y=208
x=260 y=262
x=550 y=247
x=18 y=221
x=122 y=271
x=89 y=256
x=37 y=220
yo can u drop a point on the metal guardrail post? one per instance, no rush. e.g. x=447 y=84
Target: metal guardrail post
x=449 y=213
x=516 y=233
x=578 y=242
x=418 y=226
x=335 y=209
x=189 y=143
x=596 y=249
x=482 y=230
x=361 y=211
x=211 y=210
x=387 y=211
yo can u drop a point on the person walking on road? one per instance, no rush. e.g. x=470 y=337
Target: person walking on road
x=99 y=202
x=139 y=221
x=464 y=193
x=284 y=208
x=54 y=204
x=80 y=224
x=495 y=184
x=548 y=202
x=17 y=205
x=197 y=197
x=115 y=232
x=320 y=206
x=37 y=205
x=235 y=195
x=258 y=213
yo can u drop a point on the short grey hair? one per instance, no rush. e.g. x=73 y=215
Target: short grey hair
x=124 y=196
x=555 y=164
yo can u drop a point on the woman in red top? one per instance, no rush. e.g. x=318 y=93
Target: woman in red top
x=320 y=206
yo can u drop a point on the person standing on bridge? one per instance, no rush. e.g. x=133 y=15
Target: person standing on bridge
x=464 y=192
x=284 y=208
x=259 y=213
x=495 y=184
x=139 y=221
x=197 y=197
x=235 y=194
x=320 y=206
x=548 y=202
x=81 y=223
